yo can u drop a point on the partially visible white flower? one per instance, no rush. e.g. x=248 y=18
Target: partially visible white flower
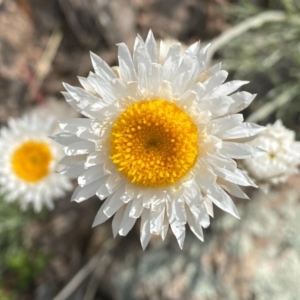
x=158 y=143
x=281 y=159
x=28 y=162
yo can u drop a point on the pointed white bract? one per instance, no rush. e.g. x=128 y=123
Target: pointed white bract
x=31 y=176
x=181 y=78
x=280 y=159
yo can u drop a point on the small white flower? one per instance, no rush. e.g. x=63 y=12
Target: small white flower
x=28 y=161
x=158 y=143
x=280 y=160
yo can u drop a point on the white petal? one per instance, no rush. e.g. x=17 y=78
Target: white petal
x=136 y=208
x=193 y=49
x=179 y=232
x=186 y=79
x=237 y=177
x=138 y=42
x=229 y=87
x=127 y=197
x=165 y=91
x=90 y=175
x=218 y=106
x=127 y=69
x=95 y=158
x=49 y=203
x=72 y=160
x=179 y=209
x=232 y=188
x=86 y=85
x=75 y=125
x=242 y=131
x=194 y=225
x=156 y=221
x=104 y=89
x=239 y=150
x=101 y=67
x=209 y=207
x=133 y=91
x=221 y=161
x=143 y=76
x=214 y=69
x=171 y=63
x=155 y=79
x=120 y=88
x=163 y=49
x=73 y=171
x=79 y=148
x=80 y=106
x=187 y=100
x=205 y=222
x=145 y=228
x=117 y=220
x=199 y=89
x=197 y=200
x=82 y=193
x=37 y=206
x=151 y=46
x=177 y=228
x=165 y=227
x=113 y=202
x=127 y=222
x=223 y=124
x=205 y=178
x=81 y=95
x=100 y=217
x=202 y=54
x=242 y=140
x=65 y=138
x=216 y=80
x=114 y=181
x=222 y=200
x=241 y=101
x=102 y=192
x=199 y=211
x=130 y=193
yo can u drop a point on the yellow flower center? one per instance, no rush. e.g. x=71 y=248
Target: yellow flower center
x=31 y=161
x=154 y=143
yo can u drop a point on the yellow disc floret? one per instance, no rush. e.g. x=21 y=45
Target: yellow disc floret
x=154 y=143
x=31 y=161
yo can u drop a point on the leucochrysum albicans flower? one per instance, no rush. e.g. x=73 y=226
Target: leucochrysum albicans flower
x=280 y=160
x=158 y=142
x=28 y=162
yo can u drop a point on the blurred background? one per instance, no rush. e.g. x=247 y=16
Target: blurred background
x=57 y=255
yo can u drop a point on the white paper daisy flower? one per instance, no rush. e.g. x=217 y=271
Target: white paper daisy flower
x=28 y=161
x=157 y=143
x=280 y=160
